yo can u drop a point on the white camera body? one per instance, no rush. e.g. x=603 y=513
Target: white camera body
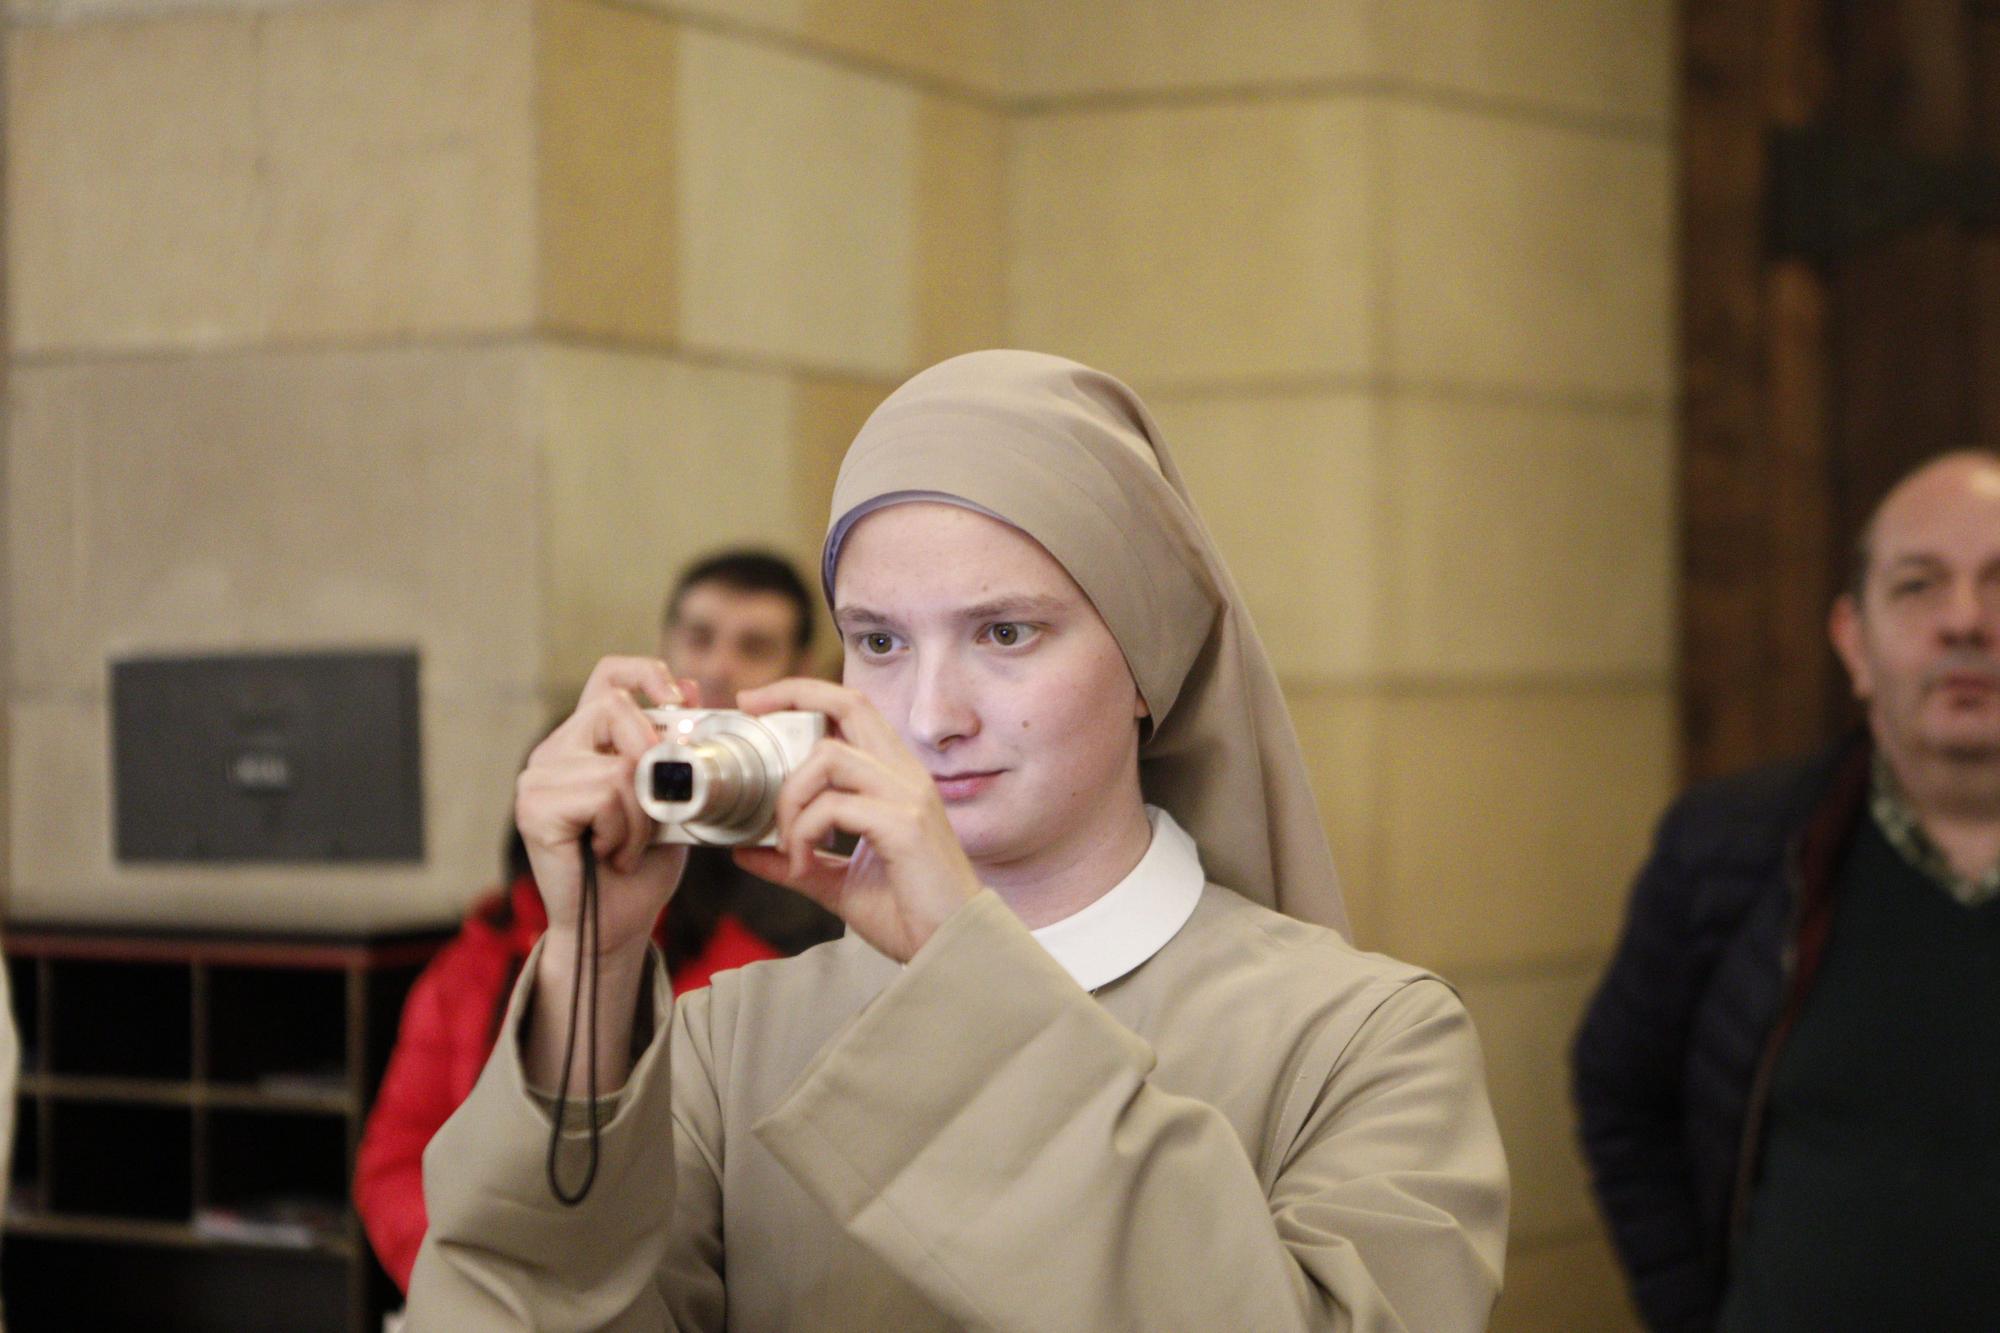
x=713 y=779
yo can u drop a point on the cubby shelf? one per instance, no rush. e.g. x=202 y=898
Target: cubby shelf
x=189 y=1109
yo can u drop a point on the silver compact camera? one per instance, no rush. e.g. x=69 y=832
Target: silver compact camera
x=713 y=779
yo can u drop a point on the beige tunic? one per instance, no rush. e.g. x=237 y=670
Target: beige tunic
x=1260 y=1128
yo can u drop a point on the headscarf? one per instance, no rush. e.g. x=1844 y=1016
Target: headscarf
x=1072 y=458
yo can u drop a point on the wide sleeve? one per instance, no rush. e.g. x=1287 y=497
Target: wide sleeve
x=641 y=1252
x=989 y=1132
x=415 y=1099
x=1627 y=1064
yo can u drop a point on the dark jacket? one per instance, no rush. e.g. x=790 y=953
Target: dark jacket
x=1725 y=931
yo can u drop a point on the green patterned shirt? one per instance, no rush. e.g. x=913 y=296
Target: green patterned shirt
x=1897 y=819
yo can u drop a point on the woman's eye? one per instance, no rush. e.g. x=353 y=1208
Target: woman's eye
x=1008 y=634
x=876 y=644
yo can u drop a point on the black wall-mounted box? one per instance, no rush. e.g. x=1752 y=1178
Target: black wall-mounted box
x=294 y=757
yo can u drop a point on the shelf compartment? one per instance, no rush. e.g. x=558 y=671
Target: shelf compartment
x=24 y=1175
x=126 y=1160
x=260 y=1161
x=123 y=1019
x=268 y=1027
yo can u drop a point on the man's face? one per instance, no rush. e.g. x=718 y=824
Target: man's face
x=1923 y=644
x=730 y=640
x=998 y=672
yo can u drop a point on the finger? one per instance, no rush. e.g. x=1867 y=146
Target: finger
x=824 y=881
x=832 y=765
x=609 y=829
x=588 y=795
x=831 y=812
x=639 y=826
x=617 y=725
x=824 y=878
x=766 y=863
x=608 y=717
x=647 y=677
x=858 y=720
x=556 y=800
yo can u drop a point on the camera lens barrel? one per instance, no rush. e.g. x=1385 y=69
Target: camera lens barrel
x=714 y=776
x=730 y=781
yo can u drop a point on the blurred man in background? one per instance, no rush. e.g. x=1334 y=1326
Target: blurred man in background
x=1789 y=1081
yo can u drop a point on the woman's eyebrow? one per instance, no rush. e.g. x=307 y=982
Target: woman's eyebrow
x=1022 y=604
x=843 y=615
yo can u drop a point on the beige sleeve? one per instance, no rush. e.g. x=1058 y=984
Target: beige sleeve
x=642 y=1251
x=991 y=1133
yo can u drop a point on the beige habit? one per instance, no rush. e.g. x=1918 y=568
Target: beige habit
x=1258 y=1128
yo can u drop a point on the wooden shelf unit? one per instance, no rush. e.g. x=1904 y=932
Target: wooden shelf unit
x=188 y=1114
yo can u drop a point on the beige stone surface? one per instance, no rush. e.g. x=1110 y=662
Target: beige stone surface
x=1607 y=57
x=961 y=229
x=311 y=173
x=62 y=866
x=797 y=220
x=826 y=414
x=1291 y=489
x=605 y=93
x=397 y=144
x=1525 y=1024
x=1195 y=244
x=82 y=11
x=1512 y=821
x=1340 y=731
x=1528 y=540
x=1564 y=1287
x=647 y=463
x=963 y=42
x=1525 y=256
x=959 y=43
x=134 y=207
x=1058 y=48
x=381 y=497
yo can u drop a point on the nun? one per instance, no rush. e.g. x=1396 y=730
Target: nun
x=1094 y=1052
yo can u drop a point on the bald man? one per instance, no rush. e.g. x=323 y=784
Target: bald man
x=1789 y=1080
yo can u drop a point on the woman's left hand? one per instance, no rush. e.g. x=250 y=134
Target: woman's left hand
x=909 y=872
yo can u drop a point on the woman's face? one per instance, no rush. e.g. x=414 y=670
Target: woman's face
x=998 y=672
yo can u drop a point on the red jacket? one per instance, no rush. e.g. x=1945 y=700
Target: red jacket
x=450 y=1023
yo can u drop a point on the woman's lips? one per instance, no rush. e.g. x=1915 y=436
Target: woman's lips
x=963 y=786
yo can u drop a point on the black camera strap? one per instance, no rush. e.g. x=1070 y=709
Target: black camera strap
x=587 y=929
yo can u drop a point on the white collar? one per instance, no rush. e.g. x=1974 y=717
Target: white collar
x=1128 y=925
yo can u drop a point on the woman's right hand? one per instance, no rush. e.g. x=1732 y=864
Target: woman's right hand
x=578 y=783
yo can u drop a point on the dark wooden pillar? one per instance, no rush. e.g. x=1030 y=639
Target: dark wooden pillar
x=1841 y=322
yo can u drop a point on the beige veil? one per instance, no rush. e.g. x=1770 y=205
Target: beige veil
x=1071 y=457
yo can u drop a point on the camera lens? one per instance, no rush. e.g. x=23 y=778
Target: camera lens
x=718 y=787
x=673 y=781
